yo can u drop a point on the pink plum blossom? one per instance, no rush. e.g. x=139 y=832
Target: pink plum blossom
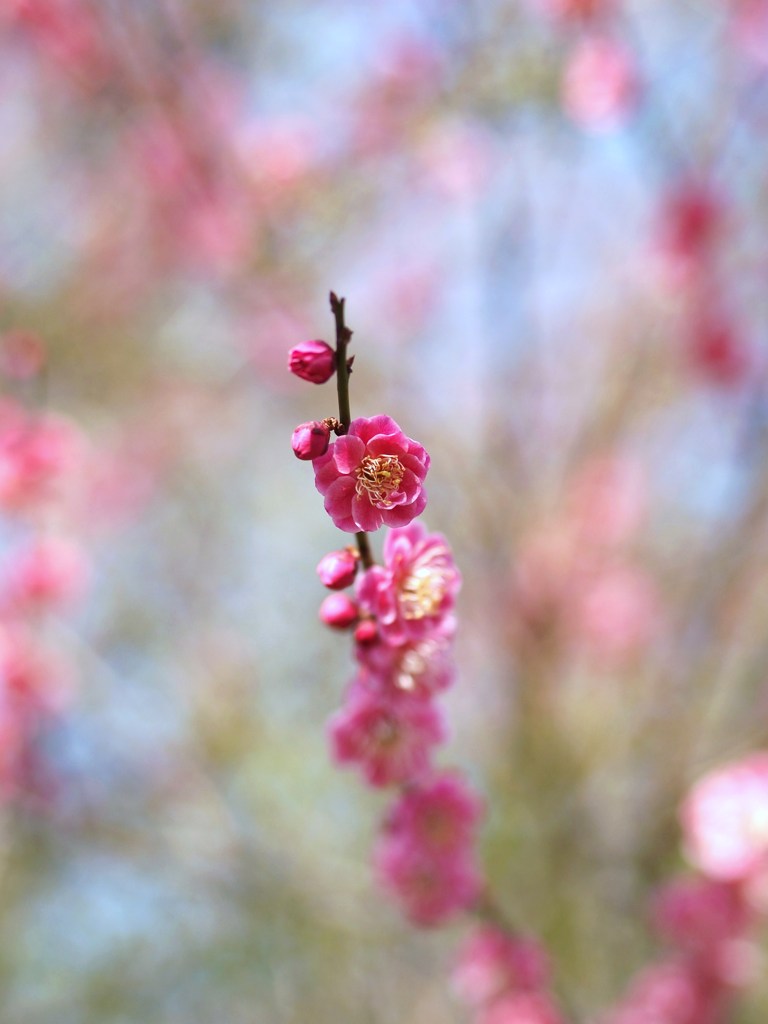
x=372 y=475
x=439 y=815
x=696 y=912
x=521 y=1008
x=717 y=351
x=725 y=820
x=390 y=740
x=493 y=962
x=420 y=668
x=600 y=85
x=49 y=571
x=615 y=611
x=670 y=992
x=607 y=500
x=412 y=594
x=691 y=223
x=429 y=889
x=35 y=455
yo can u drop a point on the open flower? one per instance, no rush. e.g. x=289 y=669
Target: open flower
x=725 y=820
x=389 y=740
x=372 y=475
x=413 y=593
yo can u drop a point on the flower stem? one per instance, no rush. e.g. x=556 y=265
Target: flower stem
x=343 y=335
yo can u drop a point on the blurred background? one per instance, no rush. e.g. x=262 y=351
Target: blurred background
x=548 y=218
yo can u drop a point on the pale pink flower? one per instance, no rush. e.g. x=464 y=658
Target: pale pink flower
x=412 y=595
x=725 y=820
x=372 y=475
x=691 y=223
x=390 y=740
x=22 y=354
x=607 y=500
x=30 y=681
x=522 y=1008
x=670 y=992
x=428 y=889
x=615 y=611
x=600 y=86
x=492 y=962
x=35 y=455
x=750 y=27
x=695 y=913
x=438 y=816
x=577 y=10
x=49 y=571
x=717 y=351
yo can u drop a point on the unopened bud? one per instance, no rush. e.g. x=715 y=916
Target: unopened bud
x=366 y=632
x=314 y=361
x=310 y=440
x=338 y=569
x=338 y=611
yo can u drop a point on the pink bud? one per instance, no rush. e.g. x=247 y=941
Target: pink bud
x=338 y=569
x=314 y=361
x=310 y=440
x=338 y=611
x=367 y=632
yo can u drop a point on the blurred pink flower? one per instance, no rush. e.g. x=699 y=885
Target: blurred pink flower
x=419 y=668
x=492 y=963
x=412 y=595
x=725 y=820
x=49 y=571
x=35 y=455
x=438 y=815
x=389 y=739
x=717 y=352
x=522 y=1008
x=607 y=500
x=429 y=889
x=615 y=611
x=372 y=475
x=600 y=86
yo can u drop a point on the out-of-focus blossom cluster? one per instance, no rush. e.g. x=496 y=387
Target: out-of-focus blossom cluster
x=575 y=576
x=44 y=567
x=709 y=921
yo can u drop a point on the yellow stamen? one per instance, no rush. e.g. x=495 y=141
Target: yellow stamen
x=379 y=476
x=422 y=592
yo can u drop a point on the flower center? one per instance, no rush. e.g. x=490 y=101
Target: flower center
x=424 y=588
x=379 y=476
